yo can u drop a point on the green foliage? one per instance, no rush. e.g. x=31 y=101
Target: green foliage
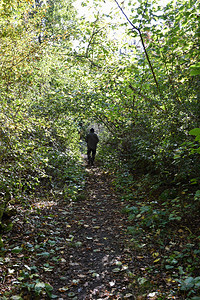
x=195 y=69
x=191 y=284
x=38 y=136
x=142 y=86
x=196 y=132
x=30 y=283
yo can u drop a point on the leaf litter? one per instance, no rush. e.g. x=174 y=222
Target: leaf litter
x=76 y=250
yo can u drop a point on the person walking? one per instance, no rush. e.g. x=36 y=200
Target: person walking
x=92 y=141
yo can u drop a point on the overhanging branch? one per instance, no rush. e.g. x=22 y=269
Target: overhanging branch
x=144 y=97
x=143 y=45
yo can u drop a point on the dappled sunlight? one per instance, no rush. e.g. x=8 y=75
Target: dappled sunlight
x=44 y=204
x=122 y=222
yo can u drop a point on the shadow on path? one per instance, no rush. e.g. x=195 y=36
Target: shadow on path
x=77 y=248
x=96 y=264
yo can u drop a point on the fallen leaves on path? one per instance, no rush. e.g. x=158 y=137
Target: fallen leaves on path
x=74 y=250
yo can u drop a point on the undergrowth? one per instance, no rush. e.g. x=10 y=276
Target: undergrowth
x=163 y=218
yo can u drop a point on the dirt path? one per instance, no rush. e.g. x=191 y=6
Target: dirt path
x=79 y=248
x=97 y=261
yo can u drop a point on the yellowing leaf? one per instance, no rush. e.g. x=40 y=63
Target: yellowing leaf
x=155 y=254
x=63 y=289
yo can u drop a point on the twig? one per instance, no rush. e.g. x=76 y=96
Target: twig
x=143 y=45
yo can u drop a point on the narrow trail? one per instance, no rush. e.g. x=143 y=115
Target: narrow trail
x=79 y=248
x=97 y=261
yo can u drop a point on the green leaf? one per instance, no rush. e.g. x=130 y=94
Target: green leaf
x=116 y=270
x=197 y=195
x=78 y=244
x=168 y=267
x=197 y=282
x=1 y=242
x=195 y=131
x=48 y=287
x=52 y=243
x=16 y=250
x=187 y=284
x=142 y=280
x=44 y=254
x=181 y=272
x=71 y=295
x=195 y=69
x=40 y=285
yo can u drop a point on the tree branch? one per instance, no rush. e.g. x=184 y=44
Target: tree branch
x=143 y=45
x=143 y=96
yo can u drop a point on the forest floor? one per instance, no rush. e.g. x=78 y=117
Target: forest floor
x=80 y=249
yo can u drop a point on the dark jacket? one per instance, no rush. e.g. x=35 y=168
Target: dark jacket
x=92 y=140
